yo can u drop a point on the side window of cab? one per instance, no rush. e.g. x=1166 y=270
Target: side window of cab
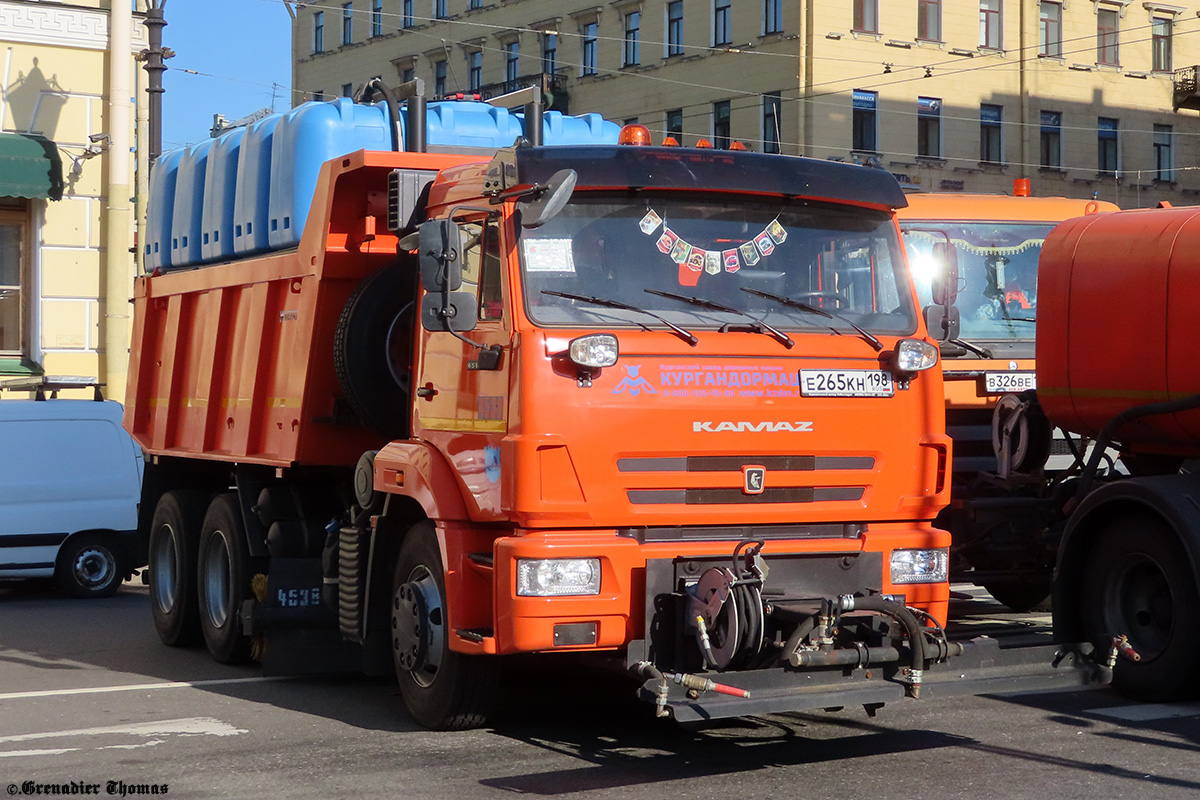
x=483 y=273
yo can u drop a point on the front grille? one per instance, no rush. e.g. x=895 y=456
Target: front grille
x=726 y=496
x=735 y=463
x=734 y=533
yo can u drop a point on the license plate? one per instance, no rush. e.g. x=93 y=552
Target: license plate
x=846 y=383
x=1009 y=382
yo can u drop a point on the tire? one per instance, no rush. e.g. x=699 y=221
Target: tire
x=174 y=540
x=1137 y=582
x=372 y=349
x=223 y=580
x=1021 y=596
x=89 y=566
x=443 y=690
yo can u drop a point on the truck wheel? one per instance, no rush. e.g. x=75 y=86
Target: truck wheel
x=223 y=580
x=174 y=534
x=443 y=690
x=90 y=565
x=1021 y=596
x=1137 y=583
x=372 y=349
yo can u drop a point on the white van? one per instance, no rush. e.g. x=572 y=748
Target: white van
x=70 y=480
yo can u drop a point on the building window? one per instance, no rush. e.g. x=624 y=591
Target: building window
x=439 y=79
x=512 y=65
x=772 y=105
x=319 y=32
x=549 y=52
x=675 y=28
x=630 y=121
x=721 y=27
x=929 y=20
x=991 y=146
x=318 y=97
x=475 y=4
x=347 y=23
x=929 y=127
x=1107 y=31
x=675 y=124
x=721 y=125
x=1161 y=43
x=864 y=121
x=772 y=16
x=1106 y=145
x=347 y=90
x=409 y=74
x=1164 y=162
x=406 y=19
x=376 y=17
x=439 y=9
x=589 y=49
x=1051 y=139
x=474 y=70
x=1050 y=30
x=866 y=16
x=14 y=280
x=633 y=24
x=991 y=23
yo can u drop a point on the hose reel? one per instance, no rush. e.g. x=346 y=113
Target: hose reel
x=725 y=608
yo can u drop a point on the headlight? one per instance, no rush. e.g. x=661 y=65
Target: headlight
x=555 y=577
x=914 y=355
x=920 y=566
x=597 y=350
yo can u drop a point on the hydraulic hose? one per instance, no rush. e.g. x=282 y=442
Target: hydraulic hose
x=916 y=638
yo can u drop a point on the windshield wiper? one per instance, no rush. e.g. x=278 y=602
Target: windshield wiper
x=687 y=336
x=757 y=325
x=982 y=352
x=869 y=338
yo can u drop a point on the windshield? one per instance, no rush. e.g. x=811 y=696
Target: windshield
x=841 y=259
x=997 y=272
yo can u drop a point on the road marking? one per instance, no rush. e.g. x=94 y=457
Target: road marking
x=154 y=732
x=140 y=687
x=1148 y=712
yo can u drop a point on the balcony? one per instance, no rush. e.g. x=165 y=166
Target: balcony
x=554 y=89
x=1186 y=94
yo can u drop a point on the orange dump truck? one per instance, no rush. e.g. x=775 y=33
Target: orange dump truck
x=998 y=509
x=675 y=408
x=1115 y=340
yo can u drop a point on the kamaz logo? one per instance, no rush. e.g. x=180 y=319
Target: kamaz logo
x=752 y=427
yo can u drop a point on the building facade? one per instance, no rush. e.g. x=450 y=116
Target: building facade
x=1080 y=96
x=66 y=270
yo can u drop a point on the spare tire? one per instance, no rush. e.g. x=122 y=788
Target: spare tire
x=372 y=348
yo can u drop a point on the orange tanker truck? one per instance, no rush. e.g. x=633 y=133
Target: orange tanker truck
x=673 y=408
x=991 y=243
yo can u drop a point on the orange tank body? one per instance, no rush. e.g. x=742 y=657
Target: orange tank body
x=1118 y=325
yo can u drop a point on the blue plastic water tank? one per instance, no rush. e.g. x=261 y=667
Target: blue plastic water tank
x=157 y=251
x=560 y=129
x=187 y=216
x=307 y=137
x=251 y=205
x=469 y=124
x=220 y=186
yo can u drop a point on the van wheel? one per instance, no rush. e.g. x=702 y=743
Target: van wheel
x=1137 y=582
x=443 y=690
x=372 y=349
x=174 y=537
x=223 y=580
x=90 y=565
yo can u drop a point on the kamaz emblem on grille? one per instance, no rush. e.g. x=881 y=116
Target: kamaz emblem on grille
x=754 y=479
x=752 y=427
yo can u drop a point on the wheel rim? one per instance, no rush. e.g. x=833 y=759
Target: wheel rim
x=94 y=567
x=1139 y=604
x=218 y=599
x=418 y=627
x=164 y=565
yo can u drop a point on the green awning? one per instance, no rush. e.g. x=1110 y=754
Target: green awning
x=29 y=167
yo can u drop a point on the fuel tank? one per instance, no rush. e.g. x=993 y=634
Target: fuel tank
x=1117 y=324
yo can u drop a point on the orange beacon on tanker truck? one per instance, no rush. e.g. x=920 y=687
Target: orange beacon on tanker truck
x=675 y=408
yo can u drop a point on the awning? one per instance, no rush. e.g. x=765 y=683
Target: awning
x=30 y=166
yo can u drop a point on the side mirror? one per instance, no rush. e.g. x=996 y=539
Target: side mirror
x=945 y=282
x=439 y=255
x=557 y=192
x=452 y=311
x=942 y=322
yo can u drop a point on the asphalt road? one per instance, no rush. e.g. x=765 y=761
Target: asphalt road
x=89 y=699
